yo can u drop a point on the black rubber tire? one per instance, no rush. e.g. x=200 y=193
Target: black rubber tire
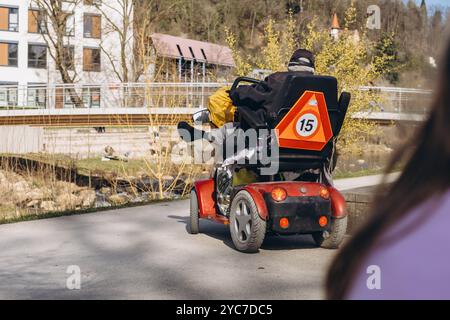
x=257 y=233
x=337 y=234
x=193 y=226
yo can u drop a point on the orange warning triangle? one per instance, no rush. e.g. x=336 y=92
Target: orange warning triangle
x=307 y=125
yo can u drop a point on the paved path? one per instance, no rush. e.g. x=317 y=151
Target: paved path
x=146 y=253
x=359 y=182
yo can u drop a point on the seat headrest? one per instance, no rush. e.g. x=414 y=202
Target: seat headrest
x=296 y=84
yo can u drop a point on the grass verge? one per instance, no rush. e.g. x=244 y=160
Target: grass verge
x=49 y=215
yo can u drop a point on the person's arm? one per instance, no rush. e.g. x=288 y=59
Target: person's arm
x=252 y=96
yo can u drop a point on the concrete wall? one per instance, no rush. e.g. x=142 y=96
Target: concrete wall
x=77 y=142
x=21 y=139
x=359 y=202
x=88 y=143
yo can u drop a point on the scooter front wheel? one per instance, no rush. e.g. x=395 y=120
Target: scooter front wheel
x=193 y=227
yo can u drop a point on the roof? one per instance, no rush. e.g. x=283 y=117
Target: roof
x=177 y=47
x=335 y=22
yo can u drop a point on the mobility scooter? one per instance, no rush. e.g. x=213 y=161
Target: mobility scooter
x=307 y=117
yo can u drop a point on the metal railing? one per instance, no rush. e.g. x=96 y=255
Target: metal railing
x=109 y=95
x=401 y=100
x=167 y=95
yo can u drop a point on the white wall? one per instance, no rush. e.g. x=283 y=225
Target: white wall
x=21 y=139
x=21 y=74
x=79 y=142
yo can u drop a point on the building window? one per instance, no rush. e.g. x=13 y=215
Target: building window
x=8 y=94
x=69 y=57
x=8 y=54
x=9 y=19
x=92 y=26
x=37 y=56
x=91 y=59
x=37 y=21
x=91 y=97
x=37 y=96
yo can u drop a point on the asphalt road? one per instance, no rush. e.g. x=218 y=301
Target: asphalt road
x=146 y=253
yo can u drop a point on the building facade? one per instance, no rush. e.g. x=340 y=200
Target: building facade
x=91 y=41
x=187 y=60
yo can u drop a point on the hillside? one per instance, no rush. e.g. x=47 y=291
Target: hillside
x=416 y=29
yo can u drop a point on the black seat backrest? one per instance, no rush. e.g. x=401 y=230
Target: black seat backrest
x=294 y=87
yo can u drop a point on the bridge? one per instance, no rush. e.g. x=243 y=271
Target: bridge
x=153 y=104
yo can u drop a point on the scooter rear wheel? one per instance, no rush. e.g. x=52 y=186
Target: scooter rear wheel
x=247 y=228
x=336 y=234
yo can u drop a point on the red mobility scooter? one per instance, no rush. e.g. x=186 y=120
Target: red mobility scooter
x=299 y=198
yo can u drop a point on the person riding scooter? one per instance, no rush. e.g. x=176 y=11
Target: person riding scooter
x=258 y=97
x=261 y=95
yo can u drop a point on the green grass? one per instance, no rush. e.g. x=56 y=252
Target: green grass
x=91 y=165
x=130 y=168
x=361 y=173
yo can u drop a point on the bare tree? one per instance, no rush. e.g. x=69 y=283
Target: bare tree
x=52 y=19
x=132 y=22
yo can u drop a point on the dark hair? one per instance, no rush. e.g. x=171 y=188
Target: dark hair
x=425 y=174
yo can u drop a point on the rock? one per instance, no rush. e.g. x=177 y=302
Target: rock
x=68 y=201
x=5 y=190
x=21 y=187
x=142 y=174
x=131 y=190
x=105 y=190
x=110 y=176
x=48 y=206
x=101 y=201
x=33 y=204
x=119 y=199
x=19 y=199
x=109 y=151
x=35 y=194
x=68 y=187
x=2 y=178
x=88 y=198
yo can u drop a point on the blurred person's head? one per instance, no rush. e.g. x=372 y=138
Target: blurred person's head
x=426 y=173
x=302 y=60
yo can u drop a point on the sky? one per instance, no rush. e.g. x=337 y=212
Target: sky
x=442 y=3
